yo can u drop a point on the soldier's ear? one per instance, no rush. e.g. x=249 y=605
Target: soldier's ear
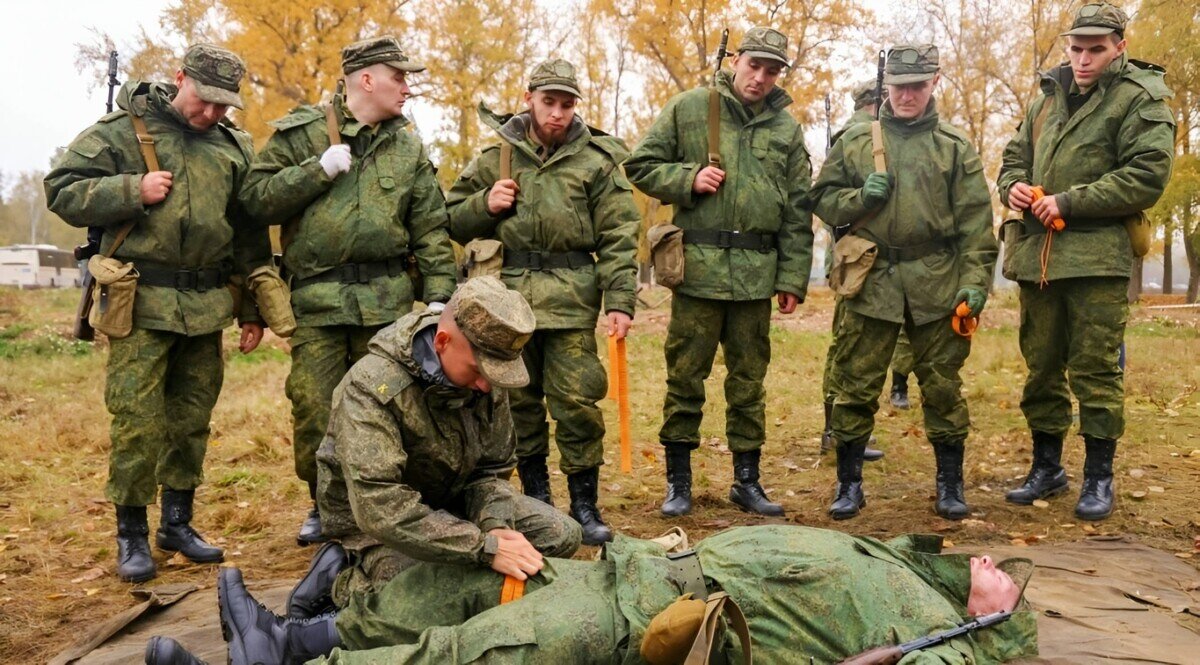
x=1121 y=45
x=179 y=78
x=441 y=340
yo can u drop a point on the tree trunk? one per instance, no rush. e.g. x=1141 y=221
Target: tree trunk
x=1135 y=281
x=1168 y=260
x=1191 y=248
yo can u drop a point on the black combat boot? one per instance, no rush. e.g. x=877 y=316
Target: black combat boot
x=255 y=635
x=314 y=594
x=535 y=478
x=175 y=532
x=166 y=651
x=1046 y=476
x=134 y=563
x=679 y=480
x=899 y=397
x=951 y=504
x=1096 y=496
x=849 y=498
x=829 y=442
x=746 y=491
x=310 y=529
x=583 y=488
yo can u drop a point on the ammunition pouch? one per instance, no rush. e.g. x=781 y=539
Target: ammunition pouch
x=853 y=258
x=113 y=292
x=1137 y=226
x=1011 y=231
x=274 y=300
x=482 y=257
x=666 y=254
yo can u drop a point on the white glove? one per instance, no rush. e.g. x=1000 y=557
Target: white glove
x=336 y=160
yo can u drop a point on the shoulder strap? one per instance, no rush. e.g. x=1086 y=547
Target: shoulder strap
x=146 y=144
x=505 y=160
x=331 y=125
x=877 y=149
x=702 y=647
x=714 y=127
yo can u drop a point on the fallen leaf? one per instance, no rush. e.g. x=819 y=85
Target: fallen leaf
x=1194 y=453
x=1184 y=555
x=1156 y=489
x=1136 y=473
x=1089 y=528
x=57 y=596
x=1137 y=494
x=947 y=543
x=91 y=574
x=92 y=592
x=243 y=504
x=1019 y=542
x=790 y=493
x=790 y=465
x=1039 y=503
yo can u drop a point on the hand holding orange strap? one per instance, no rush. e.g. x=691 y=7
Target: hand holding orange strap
x=963 y=322
x=1056 y=224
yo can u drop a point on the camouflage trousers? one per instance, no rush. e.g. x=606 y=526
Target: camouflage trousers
x=566 y=378
x=551 y=532
x=902 y=357
x=742 y=330
x=445 y=615
x=161 y=388
x=321 y=356
x=1071 y=335
x=862 y=349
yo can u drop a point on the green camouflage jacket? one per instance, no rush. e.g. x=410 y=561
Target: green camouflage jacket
x=858 y=117
x=765 y=191
x=388 y=203
x=97 y=182
x=825 y=595
x=404 y=451
x=1112 y=159
x=939 y=208
x=577 y=200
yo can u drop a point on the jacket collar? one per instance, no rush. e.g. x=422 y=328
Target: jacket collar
x=926 y=123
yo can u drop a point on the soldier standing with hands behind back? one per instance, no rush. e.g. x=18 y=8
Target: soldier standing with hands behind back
x=355 y=215
x=187 y=236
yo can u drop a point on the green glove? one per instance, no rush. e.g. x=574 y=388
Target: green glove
x=974 y=296
x=876 y=190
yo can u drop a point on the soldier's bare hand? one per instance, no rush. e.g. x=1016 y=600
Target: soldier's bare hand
x=1046 y=209
x=502 y=197
x=787 y=301
x=155 y=186
x=252 y=334
x=515 y=556
x=708 y=180
x=1019 y=196
x=618 y=324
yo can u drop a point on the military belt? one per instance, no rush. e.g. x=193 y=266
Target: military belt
x=914 y=252
x=183 y=279
x=762 y=242
x=685 y=573
x=547 y=260
x=356 y=273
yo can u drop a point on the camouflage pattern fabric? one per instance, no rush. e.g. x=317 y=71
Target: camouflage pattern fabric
x=1071 y=335
x=216 y=72
x=742 y=330
x=321 y=356
x=1109 y=160
x=566 y=376
x=800 y=589
x=577 y=200
x=96 y=182
x=388 y=203
x=862 y=349
x=161 y=388
x=903 y=360
x=902 y=357
x=418 y=465
x=766 y=191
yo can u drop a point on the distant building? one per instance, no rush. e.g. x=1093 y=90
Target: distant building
x=38 y=266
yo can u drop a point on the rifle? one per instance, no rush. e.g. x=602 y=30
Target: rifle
x=892 y=654
x=82 y=330
x=714 y=105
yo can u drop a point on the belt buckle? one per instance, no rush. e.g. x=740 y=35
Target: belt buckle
x=535 y=261
x=349 y=274
x=725 y=239
x=200 y=285
x=185 y=280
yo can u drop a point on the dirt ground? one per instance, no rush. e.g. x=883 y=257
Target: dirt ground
x=56 y=528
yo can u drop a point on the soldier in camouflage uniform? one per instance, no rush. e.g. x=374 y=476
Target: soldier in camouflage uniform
x=803 y=592
x=1100 y=141
x=747 y=234
x=863 y=95
x=934 y=252
x=354 y=216
x=189 y=239
x=569 y=227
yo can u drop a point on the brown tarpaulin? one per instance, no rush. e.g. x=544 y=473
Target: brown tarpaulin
x=1103 y=599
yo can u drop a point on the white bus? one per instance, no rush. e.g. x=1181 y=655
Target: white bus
x=38 y=266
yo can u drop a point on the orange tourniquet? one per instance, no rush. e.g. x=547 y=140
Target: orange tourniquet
x=1056 y=225
x=512 y=590
x=962 y=322
x=618 y=389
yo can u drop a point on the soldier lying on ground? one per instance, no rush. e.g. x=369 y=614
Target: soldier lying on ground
x=805 y=593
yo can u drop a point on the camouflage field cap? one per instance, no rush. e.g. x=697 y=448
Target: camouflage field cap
x=671 y=632
x=554 y=74
x=910 y=63
x=863 y=93
x=1098 y=18
x=765 y=43
x=497 y=322
x=378 y=50
x=217 y=73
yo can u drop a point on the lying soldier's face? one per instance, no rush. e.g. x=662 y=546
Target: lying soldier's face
x=992 y=590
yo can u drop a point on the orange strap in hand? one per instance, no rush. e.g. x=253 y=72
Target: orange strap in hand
x=1053 y=226
x=962 y=322
x=512 y=590
x=618 y=389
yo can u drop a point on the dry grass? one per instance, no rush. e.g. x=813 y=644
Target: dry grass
x=55 y=525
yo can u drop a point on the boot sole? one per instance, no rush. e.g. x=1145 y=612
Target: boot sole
x=845 y=516
x=138 y=580
x=169 y=550
x=1044 y=495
